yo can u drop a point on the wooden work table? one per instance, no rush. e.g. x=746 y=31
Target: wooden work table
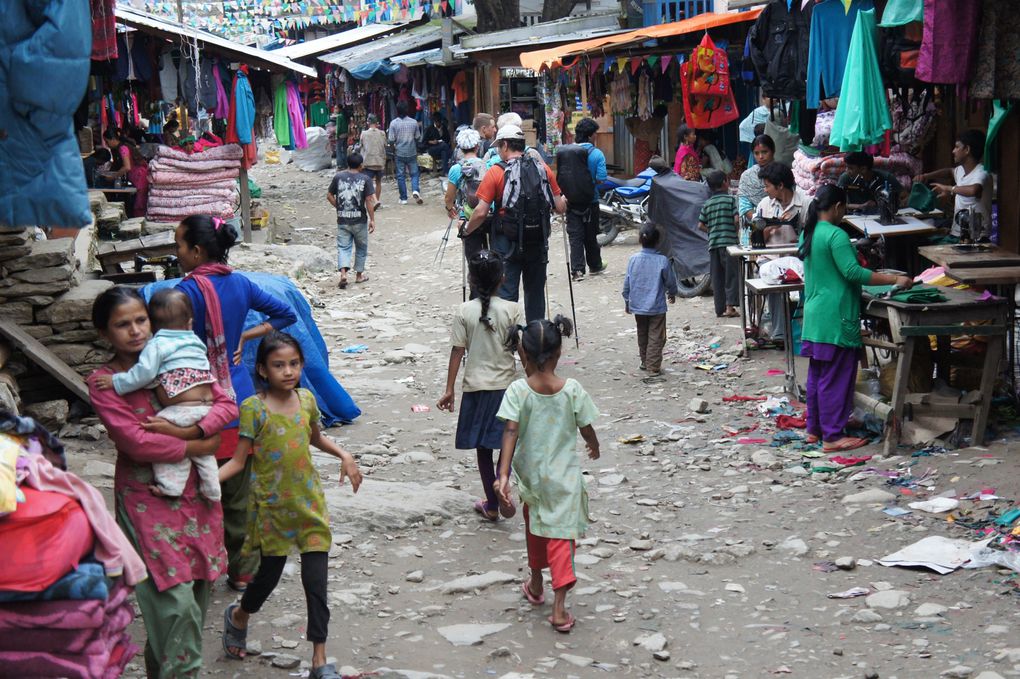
x=913 y=323
x=984 y=255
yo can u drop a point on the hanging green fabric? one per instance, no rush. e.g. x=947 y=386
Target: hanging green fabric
x=862 y=116
x=318 y=113
x=1000 y=111
x=281 y=117
x=901 y=12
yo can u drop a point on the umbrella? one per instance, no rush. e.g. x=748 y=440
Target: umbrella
x=862 y=116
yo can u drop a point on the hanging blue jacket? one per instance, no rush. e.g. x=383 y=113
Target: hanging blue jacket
x=831 y=28
x=244 y=98
x=45 y=47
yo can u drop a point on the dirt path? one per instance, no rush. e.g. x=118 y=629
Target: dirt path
x=702 y=560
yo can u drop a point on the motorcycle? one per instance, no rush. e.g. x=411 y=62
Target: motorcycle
x=623 y=204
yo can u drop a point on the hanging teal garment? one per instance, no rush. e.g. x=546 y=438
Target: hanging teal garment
x=862 y=116
x=281 y=117
x=901 y=12
x=1000 y=110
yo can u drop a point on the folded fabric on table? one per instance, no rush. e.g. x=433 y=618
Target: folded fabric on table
x=811 y=172
x=172 y=164
x=43 y=539
x=225 y=152
x=182 y=178
x=220 y=209
x=919 y=294
x=213 y=189
x=61 y=615
x=158 y=202
x=87 y=581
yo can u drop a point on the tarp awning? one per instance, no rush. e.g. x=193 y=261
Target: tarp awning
x=386 y=47
x=702 y=22
x=149 y=23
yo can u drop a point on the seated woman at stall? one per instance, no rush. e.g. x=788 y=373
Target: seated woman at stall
x=711 y=157
x=128 y=162
x=751 y=191
x=863 y=183
x=687 y=163
x=782 y=210
x=832 y=318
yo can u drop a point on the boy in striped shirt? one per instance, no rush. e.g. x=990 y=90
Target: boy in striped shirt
x=720 y=219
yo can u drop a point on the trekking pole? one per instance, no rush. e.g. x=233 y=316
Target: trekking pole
x=463 y=267
x=438 y=258
x=570 y=283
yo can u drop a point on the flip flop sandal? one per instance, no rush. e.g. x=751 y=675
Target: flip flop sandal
x=325 y=672
x=811 y=438
x=563 y=628
x=343 y=284
x=845 y=445
x=507 y=510
x=532 y=599
x=233 y=637
x=363 y=279
x=486 y=514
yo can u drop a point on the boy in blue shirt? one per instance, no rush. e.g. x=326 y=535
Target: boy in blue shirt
x=649 y=283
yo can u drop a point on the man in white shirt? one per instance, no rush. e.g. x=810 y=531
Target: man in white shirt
x=971 y=185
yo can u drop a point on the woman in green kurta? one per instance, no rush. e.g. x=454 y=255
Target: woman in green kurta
x=288 y=507
x=831 y=336
x=543 y=414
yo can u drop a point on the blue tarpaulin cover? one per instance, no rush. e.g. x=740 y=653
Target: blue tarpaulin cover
x=366 y=71
x=335 y=404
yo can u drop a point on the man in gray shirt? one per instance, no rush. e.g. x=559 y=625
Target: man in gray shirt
x=405 y=134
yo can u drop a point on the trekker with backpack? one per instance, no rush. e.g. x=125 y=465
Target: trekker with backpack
x=580 y=167
x=462 y=189
x=525 y=193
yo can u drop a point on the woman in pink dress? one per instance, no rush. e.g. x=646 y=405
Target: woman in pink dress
x=687 y=163
x=180 y=539
x=129 y=162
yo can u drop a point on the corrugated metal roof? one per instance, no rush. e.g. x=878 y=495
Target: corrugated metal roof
x=560 y=30
x=433 y=57
x=252 y=56
x=386 y=47
x=532 y=42
x=332 y=43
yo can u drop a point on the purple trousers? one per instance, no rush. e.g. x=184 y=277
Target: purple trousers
x=832 y=374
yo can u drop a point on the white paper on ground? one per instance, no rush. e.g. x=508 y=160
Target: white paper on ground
x=936 y=505
x=940 y=554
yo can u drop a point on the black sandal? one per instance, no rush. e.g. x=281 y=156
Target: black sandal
x=233 y=636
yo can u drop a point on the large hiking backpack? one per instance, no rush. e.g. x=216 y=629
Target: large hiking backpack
x=471 y=172
x=527 y=202
x=573 y=176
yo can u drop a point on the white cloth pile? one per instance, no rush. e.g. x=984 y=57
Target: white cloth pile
x=181 y=185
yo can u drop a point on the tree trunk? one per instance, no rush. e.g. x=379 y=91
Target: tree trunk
x=497 y=15
x=557 y=9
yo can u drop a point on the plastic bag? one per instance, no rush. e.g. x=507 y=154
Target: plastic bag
x=705 y=82
x=316 y=156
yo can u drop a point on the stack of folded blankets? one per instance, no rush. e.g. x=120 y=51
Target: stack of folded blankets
x=182 y=184
x=810 y=173
x=67 y=568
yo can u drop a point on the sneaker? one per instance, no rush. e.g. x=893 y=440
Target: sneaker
x=403 y=202
x=577 y=275
x=417 y=198
x=605 y=264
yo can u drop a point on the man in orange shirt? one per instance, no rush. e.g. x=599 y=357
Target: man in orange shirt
x=527 y=263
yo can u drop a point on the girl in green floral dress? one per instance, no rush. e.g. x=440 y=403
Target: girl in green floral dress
x=287 y=505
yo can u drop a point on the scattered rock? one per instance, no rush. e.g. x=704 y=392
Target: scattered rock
x=471 y=634
x=698 y=405
x=846 y=563
x=641 y=545
x=958 y=672
x=794 y=545
x=866 y=615
x=470 y=583
x=50 y=414
x=577 y=660
x=653 y=643
x=287 y=620
x=765 y=460
x=872 y=496
x=285 y=661
x=415 y=576
x=930 y=610
x=891 y=599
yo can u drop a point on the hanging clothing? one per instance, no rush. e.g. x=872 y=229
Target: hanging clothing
x=207 y=84
x=297 y=116
x=832 y=26
x=133 y=61
x=104 y=30
x=281 y=118
x=222 y=109
x=779 y=49
x=244 y=108
x=168 y=75
x=902 y=12
x=862 y=116
x=949 y=42
x=997 y=67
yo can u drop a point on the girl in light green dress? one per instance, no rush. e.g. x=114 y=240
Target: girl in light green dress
x=287 y=505
x=542 y=415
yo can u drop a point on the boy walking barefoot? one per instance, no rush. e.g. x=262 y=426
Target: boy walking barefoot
x=352 y=193
x=719 y=218
x=649 y=282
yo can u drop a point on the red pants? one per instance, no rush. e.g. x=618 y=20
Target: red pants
x=556 y=554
